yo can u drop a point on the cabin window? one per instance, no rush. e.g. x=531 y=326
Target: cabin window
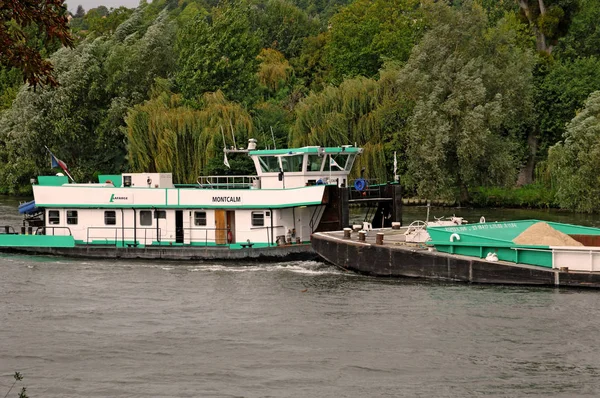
x=267 y=214
x=350 y=162
x=110 y=217
x=315 y=162
x=72 y=217
x=160 y=214
x=269 y=164
x=145 y=217
x=200 y=218
x=292 y=163
x=258 y=219
x=53 y=217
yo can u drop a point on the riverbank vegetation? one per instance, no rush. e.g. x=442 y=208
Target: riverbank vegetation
x=485 y=102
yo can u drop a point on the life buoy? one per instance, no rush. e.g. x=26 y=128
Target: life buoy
x=360 y=184
x=229 y=236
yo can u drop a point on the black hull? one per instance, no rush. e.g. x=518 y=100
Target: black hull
x=270 y=254
x=403 y=261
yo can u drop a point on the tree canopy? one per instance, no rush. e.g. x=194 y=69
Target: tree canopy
x=48 y=20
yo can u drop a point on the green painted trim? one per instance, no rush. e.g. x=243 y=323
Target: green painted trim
x=36 y=241
x=303 y=150
x=158 y=207
x=52 y=181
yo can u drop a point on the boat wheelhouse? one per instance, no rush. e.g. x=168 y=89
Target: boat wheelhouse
x=283 y=204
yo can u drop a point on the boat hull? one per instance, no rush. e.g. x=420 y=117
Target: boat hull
x=404 y=261
x=266 y=254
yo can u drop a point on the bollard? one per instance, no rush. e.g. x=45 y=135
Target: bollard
x=29 y=230
x=396 y=225
x=298 y=241
x=22 y=230
x=362 y=235
x=347 y=232
x=379 y=238
x=356 y=227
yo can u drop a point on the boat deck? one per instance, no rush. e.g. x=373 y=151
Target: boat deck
x=396 y=258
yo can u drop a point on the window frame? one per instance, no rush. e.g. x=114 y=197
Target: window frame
x=106 y=217
x=254 y=220
x=51 y=216
x=71 y=218
x=198 y=220
x=145 y=216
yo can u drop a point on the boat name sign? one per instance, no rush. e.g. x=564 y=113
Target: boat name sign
x=226 y=199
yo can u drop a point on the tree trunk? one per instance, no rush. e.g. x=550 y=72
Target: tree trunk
x=526 y=172
x=540 y=38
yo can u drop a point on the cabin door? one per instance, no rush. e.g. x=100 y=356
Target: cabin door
x=220 y=227
x=179 y=226
x=231 y=226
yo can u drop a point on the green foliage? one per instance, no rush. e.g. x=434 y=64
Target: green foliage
x=583 y=37
x=561 y=92
x=471 y=85
x=361 y=111
x=282 y=26
x=366 y=33
x=530 y=196
x=219 y=53
x=574 y=162
x=165 y=135
x=82 y=119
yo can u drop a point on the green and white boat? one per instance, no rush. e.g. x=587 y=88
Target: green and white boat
x=146 y=215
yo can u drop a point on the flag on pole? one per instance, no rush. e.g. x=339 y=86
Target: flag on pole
x=395 y=167
x=225 y=161
x=56 y=162
x=333 y=163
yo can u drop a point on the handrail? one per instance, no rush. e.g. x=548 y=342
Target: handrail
x=229 y=182
x=44 y=228
x=123 y=229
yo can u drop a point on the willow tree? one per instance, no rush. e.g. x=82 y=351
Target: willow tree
x=574 y=162
x=471 y=85
x=360 y=111
x=164 y=135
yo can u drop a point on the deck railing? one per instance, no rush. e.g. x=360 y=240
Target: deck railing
x=229 y=182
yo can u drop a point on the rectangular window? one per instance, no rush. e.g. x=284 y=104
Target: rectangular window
x=72 y=217
x=292 y=163
x=315 y=162
x=160 y=214
x=145 y=217
x=269 y=164
x=258 y=219
x=200 y=218
x=53 y=217
x=110 y=217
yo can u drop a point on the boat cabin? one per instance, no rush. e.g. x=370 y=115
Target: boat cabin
x=282 y=204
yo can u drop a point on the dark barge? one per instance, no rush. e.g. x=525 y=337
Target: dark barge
x=395 y=258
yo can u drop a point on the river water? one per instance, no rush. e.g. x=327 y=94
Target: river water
x=97 y=328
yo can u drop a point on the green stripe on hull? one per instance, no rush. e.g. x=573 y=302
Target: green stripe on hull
x=149 y=206
x=36 y=241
